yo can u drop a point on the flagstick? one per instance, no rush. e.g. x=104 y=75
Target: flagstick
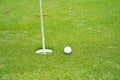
x=44 y=50
x=42 y=27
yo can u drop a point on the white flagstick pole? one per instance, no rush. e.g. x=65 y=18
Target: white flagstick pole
x=42 y=27
x=44 y=50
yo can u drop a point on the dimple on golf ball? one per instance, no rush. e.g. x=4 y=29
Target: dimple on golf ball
x=67 y=50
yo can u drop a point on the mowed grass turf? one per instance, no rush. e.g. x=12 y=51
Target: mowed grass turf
x=90 y=27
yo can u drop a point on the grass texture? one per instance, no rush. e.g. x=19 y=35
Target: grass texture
x=90 y=27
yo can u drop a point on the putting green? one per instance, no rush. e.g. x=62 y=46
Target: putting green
x=90 y=27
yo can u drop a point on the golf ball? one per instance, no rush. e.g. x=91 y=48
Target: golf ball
x=67 y=50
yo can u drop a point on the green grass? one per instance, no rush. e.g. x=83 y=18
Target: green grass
x=90 y=27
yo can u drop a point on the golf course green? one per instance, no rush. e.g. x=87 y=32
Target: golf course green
x=90 y=27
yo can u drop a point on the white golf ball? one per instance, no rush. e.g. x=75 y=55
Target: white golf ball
x=67 y=50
